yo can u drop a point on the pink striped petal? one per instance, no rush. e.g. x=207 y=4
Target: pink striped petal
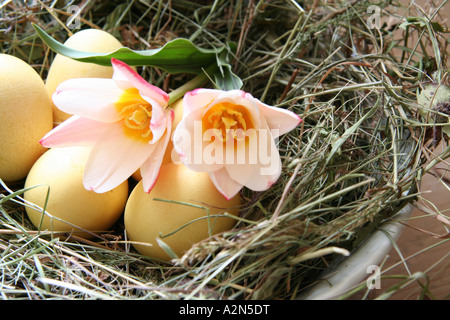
x=123 y=72
x=151 y=167
x=113 y=159
x=89 y=98
x=75 y=131
x=159 y=120
x=224 y=183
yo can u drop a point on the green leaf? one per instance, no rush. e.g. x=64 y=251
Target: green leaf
x=225 y=79
x=177 y=56
x=421 y=23
x=167 y=249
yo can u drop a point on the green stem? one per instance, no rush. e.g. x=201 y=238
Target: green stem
x=194 y=83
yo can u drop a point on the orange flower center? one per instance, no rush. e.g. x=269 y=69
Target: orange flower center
x=227 y=121
x=136 y=114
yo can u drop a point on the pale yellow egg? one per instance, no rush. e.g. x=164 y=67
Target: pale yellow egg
x=59 y=173
x=170 y=155
x=64 y=68
x=25 y=117
x=181 y=210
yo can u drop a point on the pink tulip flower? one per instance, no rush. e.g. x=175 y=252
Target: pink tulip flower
x=124 y=119
x=232 y=136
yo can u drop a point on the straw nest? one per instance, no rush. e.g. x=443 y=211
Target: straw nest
x=355 y=160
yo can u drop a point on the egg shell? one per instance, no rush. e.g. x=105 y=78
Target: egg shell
x=64 y=68
x=146 y=218
x=170 y=154
x=61 y=170
x=25 y=117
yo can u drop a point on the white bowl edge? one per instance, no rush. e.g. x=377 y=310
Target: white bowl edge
x=355 y=268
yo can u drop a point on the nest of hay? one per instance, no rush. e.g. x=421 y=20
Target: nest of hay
x=355 y=160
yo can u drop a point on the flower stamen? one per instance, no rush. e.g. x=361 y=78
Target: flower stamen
x=136 y=114
x=226 y=120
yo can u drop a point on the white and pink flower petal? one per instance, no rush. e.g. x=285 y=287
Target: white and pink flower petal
x=279 y=120
x=89 y=98
x=151 y=167
x=198 y=99
x=224 y=183
x=75 y=131
x=262 y=166
x=158 y=122
x=123 y=72
x=113 y=159
x=194 y=150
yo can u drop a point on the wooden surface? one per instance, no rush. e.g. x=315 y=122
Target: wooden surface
x=421 y=247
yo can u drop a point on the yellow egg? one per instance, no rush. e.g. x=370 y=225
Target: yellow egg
x=180 y=224
x=25 y=117
x=64 y=68
x=61 y=169
x=170 y=154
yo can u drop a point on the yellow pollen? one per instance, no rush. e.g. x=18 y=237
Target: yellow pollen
x=226 y=119
x=136 y=114
x=139 y=116
x=228 y=122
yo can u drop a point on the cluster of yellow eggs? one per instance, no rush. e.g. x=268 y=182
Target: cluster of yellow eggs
x=183 y=208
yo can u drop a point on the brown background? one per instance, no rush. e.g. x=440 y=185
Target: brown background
x=417 y=249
